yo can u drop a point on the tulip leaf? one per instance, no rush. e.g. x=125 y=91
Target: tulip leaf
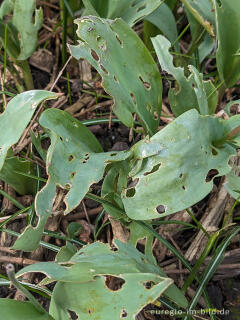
x=21 y=107
x=132 y=80
x=228 y=25
x=175 y=168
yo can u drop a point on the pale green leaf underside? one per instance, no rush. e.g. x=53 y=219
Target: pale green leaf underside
x=89 y=265
x=174 y=164
x=21 y=107
x=74 y=162
x=133 y=80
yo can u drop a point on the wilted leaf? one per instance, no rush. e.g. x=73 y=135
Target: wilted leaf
x=133 y=80
x=12 y=310
x=189 y=92
x=175 y=168
x=21 y=107
x=88 y=268
x=74 y=162
x=228 y=35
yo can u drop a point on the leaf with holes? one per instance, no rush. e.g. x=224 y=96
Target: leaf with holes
x=74 y=163
x=130 y=11
x=191 y=92
x=21 y=107
x=133 y=80
x=228 y=35
x=89 y=274
x=174 y=169
x=12 y=310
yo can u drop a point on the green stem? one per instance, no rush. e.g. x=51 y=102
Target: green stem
x=203 y=256
x=27 y=75
x=11 y=275
x=64 y=31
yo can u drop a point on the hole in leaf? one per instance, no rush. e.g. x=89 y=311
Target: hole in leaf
x=102 y=44
x=183 y=187
x=61 y=139
x=149 y=285
x=133 y=98
x=90 y=29
x=133 y=183
x=90 y=311
x=161 y=209
x=72 y=314
x=149 y=108
x=130 y=192
x=72 y=175
x=103 y=69
x=86 y=158
x=155 y=115
x=115 y=78
x=193 y=85
x=211 y=174
x=154 y=169
x=134 y=3
x=181 y=175
x=119 y=40
x=146 y=84
x=113 y=154
x=114 y=283
x=95 y=55
x=141 y=8
x=70 y=158
x=123 y=314
x=214 y=151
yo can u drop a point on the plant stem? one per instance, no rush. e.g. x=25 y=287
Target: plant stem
x=11 y=275
x=27 y=75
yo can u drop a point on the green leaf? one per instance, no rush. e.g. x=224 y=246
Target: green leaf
x=28 y=26
x=172 y=168
x=228 y=24
x=232 y=184
x=164 y=20
x=189 y=92
x=11 y=173
x=74 y=162
x=21 y=107
x=201 y=10
x=133 y=80
x=88 y=268
x=12 y=310
x=130 y=11
x=6 y=7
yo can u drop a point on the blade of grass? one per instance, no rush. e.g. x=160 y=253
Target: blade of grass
x=211 y=268
x=13 y=216
x=14 y=201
